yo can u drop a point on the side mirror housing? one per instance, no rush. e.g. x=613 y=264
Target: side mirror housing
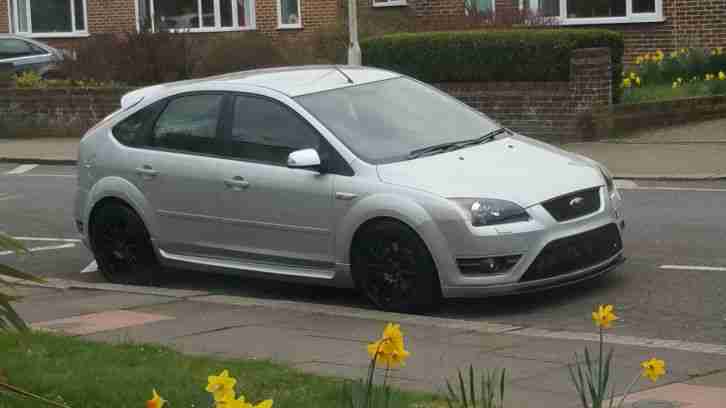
x=304 y=159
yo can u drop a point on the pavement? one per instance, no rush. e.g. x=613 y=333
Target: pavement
x=688 y=152
x=331 y=340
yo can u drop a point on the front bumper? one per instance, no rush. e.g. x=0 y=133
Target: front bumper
x=533 y=240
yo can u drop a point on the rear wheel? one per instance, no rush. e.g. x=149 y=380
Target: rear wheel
x=393 y=268
x=122 y=246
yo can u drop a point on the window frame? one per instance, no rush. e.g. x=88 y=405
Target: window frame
x=217 y=18
x=280 y=25
x=389 y=3
x=14 y=21
x=629 y=18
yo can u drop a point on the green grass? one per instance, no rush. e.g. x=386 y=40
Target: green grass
x=94 y=375
x=656 y=93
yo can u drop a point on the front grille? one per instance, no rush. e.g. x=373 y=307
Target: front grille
x=574 y=253
x=574 y=205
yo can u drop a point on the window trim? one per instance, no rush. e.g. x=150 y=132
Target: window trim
x=297 y=25
x=389 y=3
x=217 y=19
x=629 y=18
x=14 y=25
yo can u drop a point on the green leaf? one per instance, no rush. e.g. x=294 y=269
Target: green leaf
x=472 y=392
x=14 y=273
x=9 y=243
x=29 y=395
x=8 y=313
x=463 y=390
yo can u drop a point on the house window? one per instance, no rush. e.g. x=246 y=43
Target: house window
x=196 y=15
x=574 y=12
x=389 y=3
x=288 y=13
x=48 y=18
x=480 y=6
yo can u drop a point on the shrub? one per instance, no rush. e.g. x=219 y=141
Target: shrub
x=236 y=52
x=28 y=79
x=690 y=65
x=500 y=55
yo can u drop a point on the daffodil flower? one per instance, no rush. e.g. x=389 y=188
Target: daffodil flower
x=626 y=83
x=637 y=81
x=221 y=386
x=604 y=316
x=390 y=349
x=156 y=401
x=722 y=76
x=653 y=369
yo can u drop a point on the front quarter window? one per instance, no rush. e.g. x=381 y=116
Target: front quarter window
x=383 y=122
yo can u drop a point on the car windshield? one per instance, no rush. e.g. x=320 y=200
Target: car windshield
x=383 y=122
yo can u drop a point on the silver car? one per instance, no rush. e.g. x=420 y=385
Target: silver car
x=19 y=54
x=342 y=176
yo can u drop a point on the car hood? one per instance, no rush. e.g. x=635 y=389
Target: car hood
x=517 y=169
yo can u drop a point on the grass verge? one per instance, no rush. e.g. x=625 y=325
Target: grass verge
x=86 y=374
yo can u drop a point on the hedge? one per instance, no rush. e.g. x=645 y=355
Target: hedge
x=492 y=55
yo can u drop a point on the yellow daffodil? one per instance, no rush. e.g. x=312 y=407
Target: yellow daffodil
x=710 y=77
x=653 y=369
x=683 y=51
x=156 y=401
x=604 y=316
x=633 y=75
x=659 y=55
x=674 y=54
x=389 y=349
x=722 y=76
x=221 y=386
x=639 y=60
x=626 y=83
x=637 y=81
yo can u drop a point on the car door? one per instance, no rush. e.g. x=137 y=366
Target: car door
x=177 y=171
x=273 y=214
x=23 y=55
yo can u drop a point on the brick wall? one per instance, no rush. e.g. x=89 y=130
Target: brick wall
x=550 y=111
x=4 y=22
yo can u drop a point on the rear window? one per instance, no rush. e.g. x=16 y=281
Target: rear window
x=133 y=130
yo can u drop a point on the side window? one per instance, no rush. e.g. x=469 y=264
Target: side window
x=266 y=131
x=189 y=123
x=132 y=130
x=12 y=48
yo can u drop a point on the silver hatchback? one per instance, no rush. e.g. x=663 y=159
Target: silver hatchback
x=342 y=176
x=19 y=54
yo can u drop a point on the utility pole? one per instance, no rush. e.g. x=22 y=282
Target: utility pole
x=354 y=53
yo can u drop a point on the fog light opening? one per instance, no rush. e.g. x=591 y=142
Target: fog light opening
x=487 y=266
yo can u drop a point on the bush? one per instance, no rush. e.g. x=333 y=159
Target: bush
x=500 y=55
x=690 y=65
x=237 y=52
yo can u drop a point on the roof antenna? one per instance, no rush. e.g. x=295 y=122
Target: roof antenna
x=337 y=68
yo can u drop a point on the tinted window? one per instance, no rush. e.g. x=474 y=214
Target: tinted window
x=189 y=123
x=12 y=48
x=266 y=131
x=131 y=131
x=382 y=122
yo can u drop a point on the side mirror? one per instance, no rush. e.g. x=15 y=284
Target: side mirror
x=304 y=159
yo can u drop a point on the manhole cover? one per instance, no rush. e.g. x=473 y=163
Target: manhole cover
x=654 y=404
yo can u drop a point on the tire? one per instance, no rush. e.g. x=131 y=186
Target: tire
x=122 y=246
x=394 y=269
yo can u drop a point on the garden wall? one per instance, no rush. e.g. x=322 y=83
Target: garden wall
x=549 y=111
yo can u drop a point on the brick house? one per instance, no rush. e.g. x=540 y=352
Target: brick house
x=647 y=24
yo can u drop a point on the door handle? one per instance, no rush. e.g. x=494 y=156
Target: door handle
x=237 y=183
x=147 y=172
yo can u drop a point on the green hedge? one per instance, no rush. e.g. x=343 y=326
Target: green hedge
x=493 y=55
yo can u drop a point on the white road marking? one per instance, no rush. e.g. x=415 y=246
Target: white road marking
x=9 y=197
x=49 y=175
x=92 y=267
x=45 y=248
x=47 y=239
x=23 y=168
x=694 y=268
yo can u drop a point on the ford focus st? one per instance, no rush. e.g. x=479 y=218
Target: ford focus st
x=342 y=176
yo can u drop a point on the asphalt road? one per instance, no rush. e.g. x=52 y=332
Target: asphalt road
x=683 y=227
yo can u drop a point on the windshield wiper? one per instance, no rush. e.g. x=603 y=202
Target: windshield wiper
x=449 y=146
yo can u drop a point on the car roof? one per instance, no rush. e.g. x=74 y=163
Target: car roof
x=30 y=40
x=293 y=81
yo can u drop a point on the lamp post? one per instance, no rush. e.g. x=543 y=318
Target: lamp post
x=354 y=53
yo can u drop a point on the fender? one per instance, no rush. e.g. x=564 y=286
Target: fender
x=122 y=189
x=397 y=207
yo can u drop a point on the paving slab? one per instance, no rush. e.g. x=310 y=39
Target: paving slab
x=679 y=395
x=100 y=322
x=712 y=380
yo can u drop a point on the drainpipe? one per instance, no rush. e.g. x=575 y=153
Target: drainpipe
x=354 y=53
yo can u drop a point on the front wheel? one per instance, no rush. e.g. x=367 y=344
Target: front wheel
x=394 y=269
x=122 y=246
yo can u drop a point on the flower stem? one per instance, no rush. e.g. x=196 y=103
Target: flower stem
x=600 y=367
x=627 y=390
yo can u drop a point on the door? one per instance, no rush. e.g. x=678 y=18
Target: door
x=272 y=213
x=177 y=170
x=23 y=55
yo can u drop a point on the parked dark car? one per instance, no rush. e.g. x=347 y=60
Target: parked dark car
x=20 y=54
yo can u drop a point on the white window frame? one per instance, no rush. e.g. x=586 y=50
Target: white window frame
x=295 y=26
x=629 y=17
x=14 y=22
x=389 y=3
x=217 y=18
x=468 y=4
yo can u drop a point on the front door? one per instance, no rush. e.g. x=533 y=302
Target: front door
x=272 y=213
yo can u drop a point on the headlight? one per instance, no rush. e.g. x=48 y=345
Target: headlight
x=488 y=211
